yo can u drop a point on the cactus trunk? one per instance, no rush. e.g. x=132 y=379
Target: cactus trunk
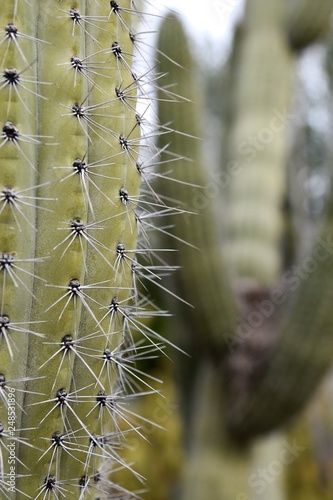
x=68 y=165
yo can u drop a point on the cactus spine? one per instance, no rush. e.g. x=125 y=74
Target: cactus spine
x=69 y=180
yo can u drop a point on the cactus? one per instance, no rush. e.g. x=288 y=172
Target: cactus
x=71 y=306
x=273 y=370
x=191 y=173
x=212 y=469
x=305 y=24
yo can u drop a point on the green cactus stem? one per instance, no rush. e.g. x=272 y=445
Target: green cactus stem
x=300 y=355
x=305 y=23
x=70 y=184
x=213 y=469
x=199 y=254
x=276 y=377
x=257 y=143
x=303 y=353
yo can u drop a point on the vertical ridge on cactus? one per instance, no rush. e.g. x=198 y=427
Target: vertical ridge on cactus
x=72 y=153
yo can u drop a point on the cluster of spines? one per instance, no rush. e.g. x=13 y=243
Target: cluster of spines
x=74 y=174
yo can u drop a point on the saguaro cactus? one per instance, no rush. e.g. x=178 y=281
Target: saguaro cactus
x=192 y=178
x=70 y=175
x=273 y=368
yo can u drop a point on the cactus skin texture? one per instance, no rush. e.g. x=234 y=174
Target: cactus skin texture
x=68 y=235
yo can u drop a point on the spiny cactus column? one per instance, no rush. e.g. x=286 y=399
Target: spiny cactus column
x=68 y=228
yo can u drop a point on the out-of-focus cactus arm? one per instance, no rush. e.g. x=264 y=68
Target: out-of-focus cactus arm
x=306 y=21
x=258 y=143
x=304 y=350
x=203 y=279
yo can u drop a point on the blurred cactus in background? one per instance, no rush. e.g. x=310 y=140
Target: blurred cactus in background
x=259 y=334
